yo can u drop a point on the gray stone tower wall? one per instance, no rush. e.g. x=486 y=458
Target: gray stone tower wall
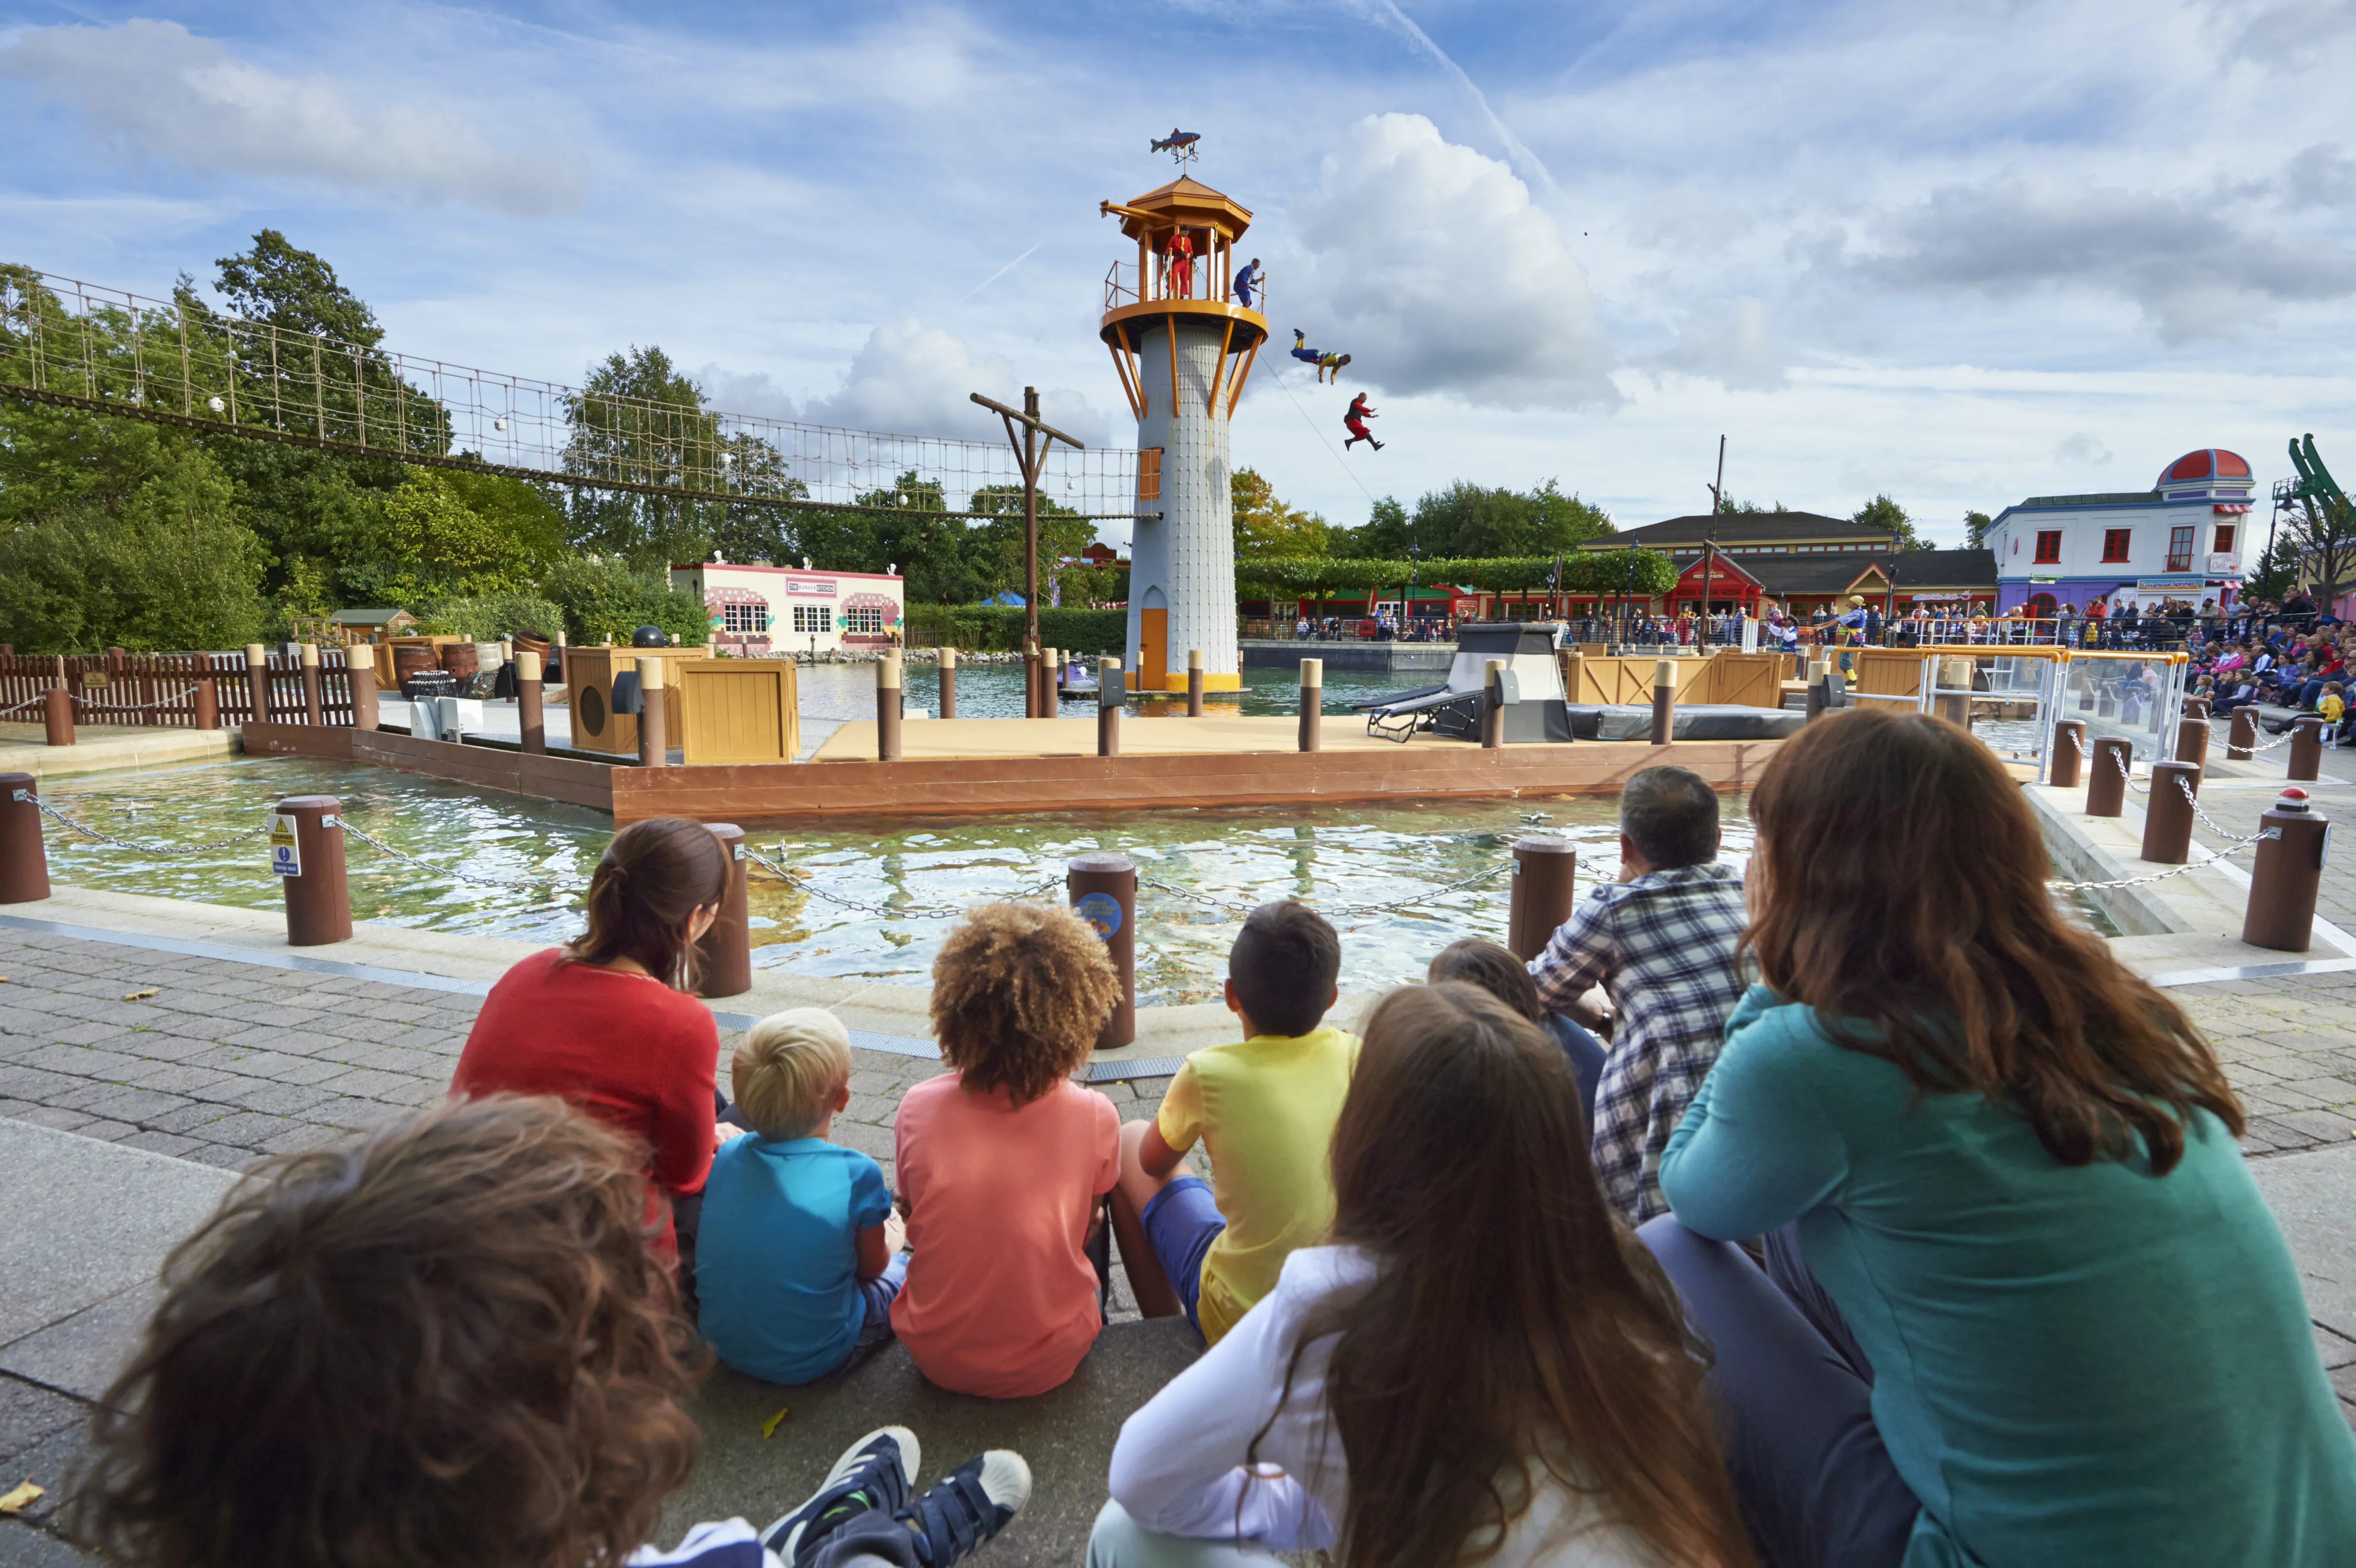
x=1187 y=555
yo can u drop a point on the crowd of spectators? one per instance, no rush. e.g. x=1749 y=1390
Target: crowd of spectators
x=1895 y=1223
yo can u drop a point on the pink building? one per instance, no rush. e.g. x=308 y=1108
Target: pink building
x=761 y=608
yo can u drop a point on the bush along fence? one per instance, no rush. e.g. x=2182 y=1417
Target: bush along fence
x=183 y=691
x=998 y=628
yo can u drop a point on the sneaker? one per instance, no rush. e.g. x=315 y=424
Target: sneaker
x=967 y=1506
x=871 y=1474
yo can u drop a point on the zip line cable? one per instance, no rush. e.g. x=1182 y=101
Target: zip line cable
x=1353 y=473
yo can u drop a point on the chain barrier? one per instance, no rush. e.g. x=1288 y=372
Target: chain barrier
x=2230 y=850
x=2127 y=772
x=2194 y=802
x=472 y=879
x=89 y=706
x=804 y=882
x=40 y=702
x=238 y=837
x=1345 y=912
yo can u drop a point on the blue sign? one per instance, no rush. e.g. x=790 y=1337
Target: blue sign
x=1101 y=911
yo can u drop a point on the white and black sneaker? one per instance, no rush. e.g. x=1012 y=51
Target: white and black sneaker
x=967 y=1506
x=871 y=1474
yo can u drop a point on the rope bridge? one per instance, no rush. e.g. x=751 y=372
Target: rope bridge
x=180 y=362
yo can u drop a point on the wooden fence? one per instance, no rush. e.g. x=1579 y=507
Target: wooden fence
x=156 y=690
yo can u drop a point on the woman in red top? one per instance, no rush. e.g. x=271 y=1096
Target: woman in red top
x=610 y=1021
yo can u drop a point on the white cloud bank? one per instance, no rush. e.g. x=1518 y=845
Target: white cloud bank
x=1428 y=263
x=153 y=89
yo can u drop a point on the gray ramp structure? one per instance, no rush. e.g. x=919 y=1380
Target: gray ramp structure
x=1531 y=693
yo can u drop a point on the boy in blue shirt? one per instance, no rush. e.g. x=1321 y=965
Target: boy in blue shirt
x=798 y=1258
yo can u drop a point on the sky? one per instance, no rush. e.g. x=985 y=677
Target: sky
x=1962 y=252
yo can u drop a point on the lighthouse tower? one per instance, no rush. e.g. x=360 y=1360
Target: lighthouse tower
x=1183 y=348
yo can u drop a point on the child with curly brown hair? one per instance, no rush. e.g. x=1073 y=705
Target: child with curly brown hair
x=1003 y=1160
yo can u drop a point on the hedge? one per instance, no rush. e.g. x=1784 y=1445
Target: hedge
x=1647 y=572
x=998 y=628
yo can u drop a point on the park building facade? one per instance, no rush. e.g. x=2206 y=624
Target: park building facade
x=759 y=609
x=2184 y=539
x=1802 y=562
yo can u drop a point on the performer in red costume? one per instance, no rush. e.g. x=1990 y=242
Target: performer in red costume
x=1182 y=265
x=1354 y=421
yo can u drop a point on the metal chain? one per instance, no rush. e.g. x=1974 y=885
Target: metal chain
x=239 y=837
x=470 y=878
x=806 y=883
x=2234 y=848
x=1346 y=912
x=40 y=701
x=2194 y=802
x=134 y=707
x=2127 y=772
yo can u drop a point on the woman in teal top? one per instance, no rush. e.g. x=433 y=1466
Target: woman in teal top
x=2032 y=1308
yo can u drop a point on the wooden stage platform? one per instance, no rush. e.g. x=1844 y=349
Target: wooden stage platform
x=1154 y=736
x=774 y=794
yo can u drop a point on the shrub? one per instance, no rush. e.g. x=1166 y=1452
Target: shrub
x=496 y=615
x=601 y=599
x=998 y=628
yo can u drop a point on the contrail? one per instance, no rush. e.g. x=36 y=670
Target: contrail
x=1000 y=274
x=1423 y=40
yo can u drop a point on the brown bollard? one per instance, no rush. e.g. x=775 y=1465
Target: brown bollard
x=2167 y=815
x=2243 y=738
x=23 y=854
x=1664 y=699
x=1955 y=707
x=207 y=703
x=2196 y=708
x=2106 y=781
x=2069 y=752
x=2306 y=747
x=1107 y=707
x=1030 y=682
x=359 y=679
x=1194 y=683
x=949 y=683
x=531 y=718
x=887 y=708
x=1053 y=658
x=653 y=744
x=1545 y=885
x=257 y=681
x=2192 y=746
x=725 y=956
x=1492 y=706
x=1103 y=888
x=2286 y=875
x=56 y=717
x=318 y=902
x=311 y=683
x=1313 y=704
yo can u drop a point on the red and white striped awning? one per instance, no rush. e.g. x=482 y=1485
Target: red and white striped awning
x=2231 y=508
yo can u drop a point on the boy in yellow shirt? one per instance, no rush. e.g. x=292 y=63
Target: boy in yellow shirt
x=2334 y=708
x=1264 y=1110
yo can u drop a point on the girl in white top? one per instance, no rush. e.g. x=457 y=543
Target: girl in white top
x=1415 y=1395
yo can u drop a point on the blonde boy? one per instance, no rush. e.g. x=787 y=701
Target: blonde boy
x=795 y=1264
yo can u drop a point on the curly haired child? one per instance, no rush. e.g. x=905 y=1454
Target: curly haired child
x=1003 y=1160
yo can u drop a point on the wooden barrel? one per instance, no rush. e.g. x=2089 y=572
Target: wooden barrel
x=460 y=660
x=408 y=658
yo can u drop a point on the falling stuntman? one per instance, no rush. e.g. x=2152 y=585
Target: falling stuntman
x=1323 y=359
x=1354 y=421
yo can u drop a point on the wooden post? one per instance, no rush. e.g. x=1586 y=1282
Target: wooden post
x=1492 y=706
x=311 y=683
x=2286 y=875
x=208 y=704
x=949 y=683
x=2107 y=776
x=2167 y=814
x=257 y=681
x=360 y=675
x=2243 y=738
x=654 y=745
x=725 y=956
x=2068 y=753
x=887 y=708
x=1103 y=891
x=531 y=720
x=1313 y=704
x=1054 y=659
x=2192 y=746
x=1194 y=683
x=1665 y=697
x=1544 y=887
x=56 y=717
x=319 y=901
x=24 y=854
x=1107 y=707
x=2305 y=748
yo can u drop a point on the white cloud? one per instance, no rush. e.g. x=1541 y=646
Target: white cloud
x=1428 y=263
x=154 y=90
x=2080 y=449
x=754 y=393
x=914 y=379
x=1731 y=346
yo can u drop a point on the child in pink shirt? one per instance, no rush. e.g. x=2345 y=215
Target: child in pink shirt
x=1003 y=1160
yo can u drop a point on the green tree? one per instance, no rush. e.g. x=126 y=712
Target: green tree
x=1729 y=507
x=2277 y=570
x=442 y=548
x=606 y=598
x=995 y=548
x=1266 y=525
x=1478 y=520
x=1975 y=528
x=1886 y=515
x=639 y=419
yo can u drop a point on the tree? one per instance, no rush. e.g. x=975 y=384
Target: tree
x=295 y=291
x=2277 y=570
x=639 y=419
x=1885 y=516
x=1469 y=519
x=604 y=598
x=441 y=548
x=1729 y=507
x=995 y=548
x=2323 y=530
x=1387 y=533
x=1975 y=528
x=1264 y=525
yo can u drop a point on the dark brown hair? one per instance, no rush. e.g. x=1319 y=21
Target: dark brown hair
x=1478 y=1361
x=1670 y=815
x=653 y=875
x=1899 y=890
x=1479 y=962
x=446 y=1342
x=1019 y=992
x=1283 y=963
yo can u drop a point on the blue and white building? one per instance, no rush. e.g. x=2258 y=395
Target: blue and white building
x=2183 y=538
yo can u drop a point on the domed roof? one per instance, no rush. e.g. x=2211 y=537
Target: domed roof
x=2209 y=463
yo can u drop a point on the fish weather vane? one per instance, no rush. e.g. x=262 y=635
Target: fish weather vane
x=1179 y=144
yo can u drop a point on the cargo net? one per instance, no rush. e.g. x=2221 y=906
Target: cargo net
x=182 y=362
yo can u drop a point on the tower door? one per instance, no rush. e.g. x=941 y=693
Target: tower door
x=1153 y=652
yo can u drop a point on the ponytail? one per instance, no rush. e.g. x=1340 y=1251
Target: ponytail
x=653 y=876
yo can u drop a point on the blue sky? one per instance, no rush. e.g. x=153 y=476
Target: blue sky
x=1963 y=252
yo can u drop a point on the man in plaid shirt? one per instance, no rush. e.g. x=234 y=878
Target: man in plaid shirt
x=1661 y=942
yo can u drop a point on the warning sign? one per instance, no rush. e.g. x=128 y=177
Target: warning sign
x=284 y=857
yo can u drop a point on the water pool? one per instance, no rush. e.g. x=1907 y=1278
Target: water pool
x=888 y=879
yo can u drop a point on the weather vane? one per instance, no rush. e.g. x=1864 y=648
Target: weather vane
x=1179 y=144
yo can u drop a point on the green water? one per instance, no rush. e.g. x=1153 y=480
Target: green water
x=531 y=860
